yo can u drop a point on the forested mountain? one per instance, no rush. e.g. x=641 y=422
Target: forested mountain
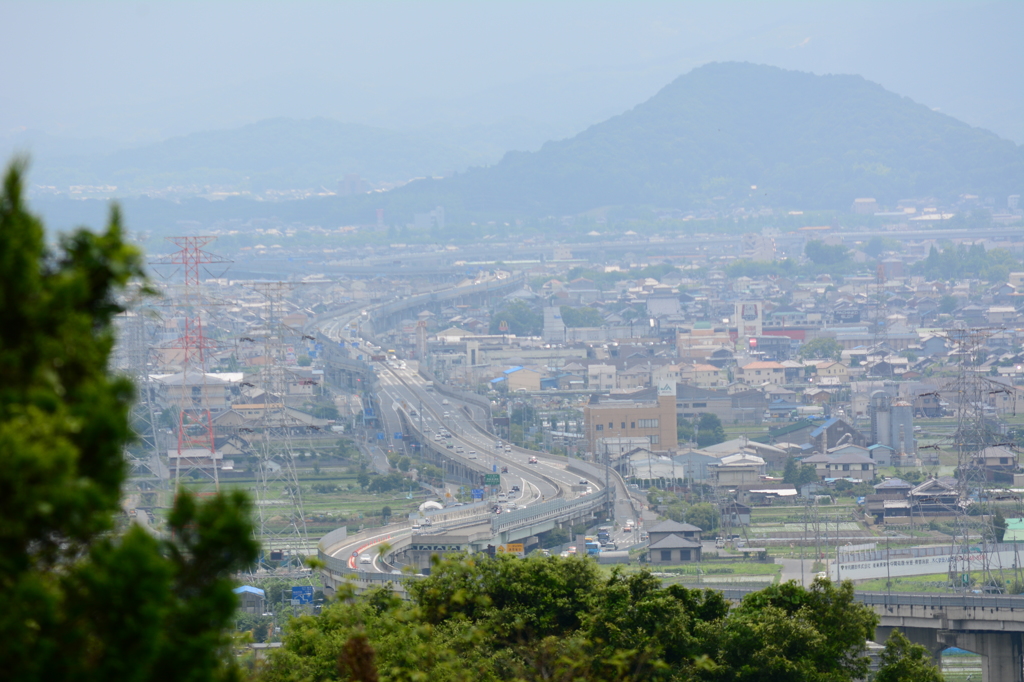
x=722 y=136
x=730 y=133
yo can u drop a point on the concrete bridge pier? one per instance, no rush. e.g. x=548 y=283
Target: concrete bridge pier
x=926 y=637
x=1000 y=652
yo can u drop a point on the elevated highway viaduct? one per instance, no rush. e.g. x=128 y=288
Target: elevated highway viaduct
x=991 y=626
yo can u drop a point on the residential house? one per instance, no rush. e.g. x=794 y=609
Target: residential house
x=522 y=379
x=673 y=549
x=703 y=375
x=834 y=370
x=662 y=530
x=850 y=465
x=761 y=372
x=695 y=465
x=251 y=599
x=833 y=432
x=671 y=542
x=632 y=378
x=601 y=377
x=775 y=458
x=997 y=462
x=936 y=497
x=735 y=514
x=882 y=454
x=738 y=469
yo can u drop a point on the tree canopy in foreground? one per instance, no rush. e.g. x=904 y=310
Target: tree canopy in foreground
x=549 y=618
x=78 y=601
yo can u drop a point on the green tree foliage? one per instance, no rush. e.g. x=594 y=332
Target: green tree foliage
x=791 y=472
x=522 y=413
x=791 y=633
x=521 y=318
x=684 y=429
x=387 y=483
x=961 y=261
x=581 y=317
x=799 y=474
x=709 y=430
x=876 y=246
x=431 y=474
x=820 y=253
x=77 y=601
x=821 y=348
x=257 y=626
x=999 y=524
x=903 y=661
x=546 y=618
x=324 y=410
x=703 y=515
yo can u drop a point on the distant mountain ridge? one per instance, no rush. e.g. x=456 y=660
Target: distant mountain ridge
x=721 y=136
x=277 y=153
x=712 y=136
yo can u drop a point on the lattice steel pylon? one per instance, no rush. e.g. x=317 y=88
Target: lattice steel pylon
x=974 y=433
x=196 y=448
x=880 y=339
x=146 y=471
x=280 y=514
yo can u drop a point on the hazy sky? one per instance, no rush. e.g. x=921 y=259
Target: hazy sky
x=144 y=71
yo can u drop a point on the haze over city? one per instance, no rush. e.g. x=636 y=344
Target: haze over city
x=125 y=73
x=512 y=341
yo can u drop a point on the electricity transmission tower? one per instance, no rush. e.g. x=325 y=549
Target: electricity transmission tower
x=281 y=518
x=975 y=432
x=196 y=448
x=147 y=473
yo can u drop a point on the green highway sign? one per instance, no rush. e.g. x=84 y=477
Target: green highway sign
x=492 y=479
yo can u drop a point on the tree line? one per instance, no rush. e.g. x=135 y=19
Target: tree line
x=548 y=618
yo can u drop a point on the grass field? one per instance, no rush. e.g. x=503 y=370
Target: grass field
x=961 y=667
x=934 y=582
x=330 y=499
x=710 y=573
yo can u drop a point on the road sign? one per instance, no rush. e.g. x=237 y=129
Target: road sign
x=302 y=594
x=478 y=493
x=492 y=479
x=398 y=435
x=380 y=435
x=513 y=548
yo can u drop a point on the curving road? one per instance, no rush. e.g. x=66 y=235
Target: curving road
x=402 y=390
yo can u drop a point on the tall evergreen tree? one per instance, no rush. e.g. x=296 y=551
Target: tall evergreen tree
x=78 y=601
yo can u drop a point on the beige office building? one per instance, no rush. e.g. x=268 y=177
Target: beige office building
x=654 y=420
